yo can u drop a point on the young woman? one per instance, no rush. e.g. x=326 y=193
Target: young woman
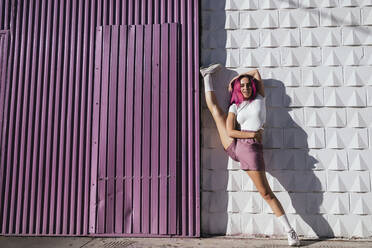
x=244 y=144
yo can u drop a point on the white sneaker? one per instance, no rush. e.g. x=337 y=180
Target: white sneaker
x=210 y=69
x=293 y=238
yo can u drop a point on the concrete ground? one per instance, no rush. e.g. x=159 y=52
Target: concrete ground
x=216 y=241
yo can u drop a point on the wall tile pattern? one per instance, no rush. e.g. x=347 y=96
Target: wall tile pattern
x=315 y=59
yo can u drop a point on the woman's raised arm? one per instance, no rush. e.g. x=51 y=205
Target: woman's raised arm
x=254 y=73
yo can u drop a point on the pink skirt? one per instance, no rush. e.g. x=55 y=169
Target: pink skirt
x=249 y=152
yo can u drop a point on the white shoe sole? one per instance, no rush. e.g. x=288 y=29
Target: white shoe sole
x=210 y=69
x=295 y=244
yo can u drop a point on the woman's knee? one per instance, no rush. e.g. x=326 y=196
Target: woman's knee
x=267 y=195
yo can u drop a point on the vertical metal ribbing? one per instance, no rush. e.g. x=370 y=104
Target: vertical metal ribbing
x=155 y=117
x=123 y=16
x=184 y=118
x=130 y=13
x=69 y=180
x=80 y=106
x=32 y=45
x=5 y=14
x=38 y=162
x=8 y=140
x=129 y=126
x=145 y=104
x=163 y=160
x=48 y=112
x=4 y=46
x=111 y=142
x=120 y=142
x=196 y=163
x=45 y=120
x=102 y=154
x=146 y=133
x=54 y=115
x=173 y=122
x=14 y=169
x=95 y=132
x=66 y=17
x=193 y=119
x=190 y=112
x=4 y=38
x=137 y=12
x=137 y=131
x=89 y=72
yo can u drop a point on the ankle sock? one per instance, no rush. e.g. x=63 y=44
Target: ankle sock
x=284 y=220
x=208 y=86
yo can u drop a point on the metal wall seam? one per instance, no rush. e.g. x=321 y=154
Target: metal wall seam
x=95 y=130
x=195 y=68
x=190 y=120
x=184 y=128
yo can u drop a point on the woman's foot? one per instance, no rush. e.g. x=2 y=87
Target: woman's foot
x=293 y=238
x=210 y=69
x=207 y=75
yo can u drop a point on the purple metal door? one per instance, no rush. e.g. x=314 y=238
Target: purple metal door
x=135 y=150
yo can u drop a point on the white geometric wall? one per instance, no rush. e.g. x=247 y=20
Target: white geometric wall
x=315 y=57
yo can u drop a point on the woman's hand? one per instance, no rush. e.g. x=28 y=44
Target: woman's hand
x=258 y=135
x=230 y=87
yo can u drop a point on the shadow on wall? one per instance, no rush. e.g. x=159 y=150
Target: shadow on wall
x=294 y=167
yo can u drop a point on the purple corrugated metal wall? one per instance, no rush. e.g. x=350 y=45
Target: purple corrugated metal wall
x=4 y=45
x=45 y=163
x=5 y=14
x=135 y=139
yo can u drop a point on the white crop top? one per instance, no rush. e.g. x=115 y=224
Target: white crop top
x=250 y=116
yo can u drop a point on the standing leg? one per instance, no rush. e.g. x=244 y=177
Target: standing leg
x=217 y=113
x=260 y=181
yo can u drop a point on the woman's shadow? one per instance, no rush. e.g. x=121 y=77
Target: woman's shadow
x=291 y=162
x=288 y=160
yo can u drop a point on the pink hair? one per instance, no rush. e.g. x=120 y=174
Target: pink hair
x=237 y=96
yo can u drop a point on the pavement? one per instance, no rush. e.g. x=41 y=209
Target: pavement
x=209 y=242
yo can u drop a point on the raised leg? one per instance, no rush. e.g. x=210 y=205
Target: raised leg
x=218 y=114
x=219 y=118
